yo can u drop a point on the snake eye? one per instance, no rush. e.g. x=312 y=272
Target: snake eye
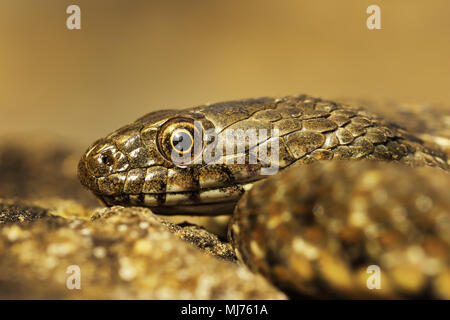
x=180 y=139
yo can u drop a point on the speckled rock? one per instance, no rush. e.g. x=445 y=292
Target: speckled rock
x=122 y=253
x=318 y=230
x=202 y=239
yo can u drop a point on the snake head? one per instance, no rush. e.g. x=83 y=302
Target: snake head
x=139 y=164
x=112 y=166
x=171 y=161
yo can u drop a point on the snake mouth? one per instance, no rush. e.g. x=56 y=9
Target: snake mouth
x=220 y=208
x=215 y=200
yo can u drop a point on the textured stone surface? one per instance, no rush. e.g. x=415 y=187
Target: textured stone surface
x=326 y=223
x=123 y=253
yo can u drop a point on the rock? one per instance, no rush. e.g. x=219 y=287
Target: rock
x=202 y=239
x=329 y=226
x=122 y=253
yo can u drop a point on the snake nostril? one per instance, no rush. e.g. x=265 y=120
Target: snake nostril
x=107 y=159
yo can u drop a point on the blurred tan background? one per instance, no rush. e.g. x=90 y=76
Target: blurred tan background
x=132 y=57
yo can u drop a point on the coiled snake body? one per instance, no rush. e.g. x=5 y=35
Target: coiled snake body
x=319 y=228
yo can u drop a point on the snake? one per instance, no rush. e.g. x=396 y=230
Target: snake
x=327 y=199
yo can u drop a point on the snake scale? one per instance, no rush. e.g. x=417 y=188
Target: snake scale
x=320 y=226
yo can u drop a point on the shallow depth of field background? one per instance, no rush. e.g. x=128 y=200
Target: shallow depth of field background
x=132 y=57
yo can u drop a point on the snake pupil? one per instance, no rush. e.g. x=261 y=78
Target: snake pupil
x=181 y=141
